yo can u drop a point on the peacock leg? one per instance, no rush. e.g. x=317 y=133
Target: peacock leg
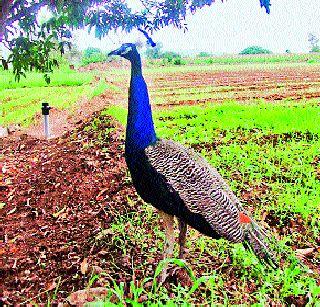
x=182 y=237
x=168 y=222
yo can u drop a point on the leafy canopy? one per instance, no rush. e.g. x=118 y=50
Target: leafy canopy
x=30 y=42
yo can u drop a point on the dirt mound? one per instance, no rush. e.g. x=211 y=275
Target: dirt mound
x=56 y=196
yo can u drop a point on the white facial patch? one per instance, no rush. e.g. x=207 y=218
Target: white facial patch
x=128 y=49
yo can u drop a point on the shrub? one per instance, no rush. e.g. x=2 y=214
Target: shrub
x=170 y=55
x=93 y=55
x=87 y=53
x=255 y=50
x=154 y=52
x=204 y=54
x=313 y=40
x=178 y=61
x=315 y=49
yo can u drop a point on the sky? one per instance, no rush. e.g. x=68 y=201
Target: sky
x=229 y=27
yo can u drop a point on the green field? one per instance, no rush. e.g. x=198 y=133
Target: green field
x=268 y=153
x=20 y=101
x=310 y=58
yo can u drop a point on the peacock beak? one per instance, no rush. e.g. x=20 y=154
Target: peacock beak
x=115 y=52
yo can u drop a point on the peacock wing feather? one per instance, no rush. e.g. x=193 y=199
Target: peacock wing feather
x=199 y=185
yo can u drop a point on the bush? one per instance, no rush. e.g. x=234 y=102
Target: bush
x=87 y=53
x=204 y=54
x=170 y=55
x=93 y=55
x=178 y=61
x=209 y=61
x=154 y=52
x=96 y=58
x=255 y=50
x=315 y=49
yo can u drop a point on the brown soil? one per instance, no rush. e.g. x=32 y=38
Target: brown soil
x=271 y=85
x=119 y=63
x=57 y=196
x=294 y=83
x=54 y=194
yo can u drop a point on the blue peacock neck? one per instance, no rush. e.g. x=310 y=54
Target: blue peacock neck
x=140 y=130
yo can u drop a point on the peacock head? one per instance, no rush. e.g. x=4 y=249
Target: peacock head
x=127 y=51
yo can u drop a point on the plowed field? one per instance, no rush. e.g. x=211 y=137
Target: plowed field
x=187 y=88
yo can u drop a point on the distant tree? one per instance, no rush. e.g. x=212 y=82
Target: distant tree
x=30 y=43
x=74 y=55
x=288 y=51
x=91 y=51
x=204 y=54
x=169 y=56
x=154 y=52
x=313 y=40
x=93 y=55
x=255 y=50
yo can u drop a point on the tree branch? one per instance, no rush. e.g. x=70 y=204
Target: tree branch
x=30 y=43
x=4 y=12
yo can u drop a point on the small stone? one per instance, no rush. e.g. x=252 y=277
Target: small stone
x=3 y=132
x=13 y=128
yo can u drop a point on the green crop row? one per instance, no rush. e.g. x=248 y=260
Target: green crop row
x=310 y=58
x=20 y=101
x=61 y=77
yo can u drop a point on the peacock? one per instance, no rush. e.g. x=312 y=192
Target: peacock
x=178 y=181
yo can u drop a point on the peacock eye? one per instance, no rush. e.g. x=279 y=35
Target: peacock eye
x=128 y=49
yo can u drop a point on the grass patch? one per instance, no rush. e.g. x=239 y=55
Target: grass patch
x=201 y=121
x=61 y=77
x=267 y=152
x=19 y=102
x=220 y=273
x=247 y=59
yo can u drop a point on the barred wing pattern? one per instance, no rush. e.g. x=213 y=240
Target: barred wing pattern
x=199 y=185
